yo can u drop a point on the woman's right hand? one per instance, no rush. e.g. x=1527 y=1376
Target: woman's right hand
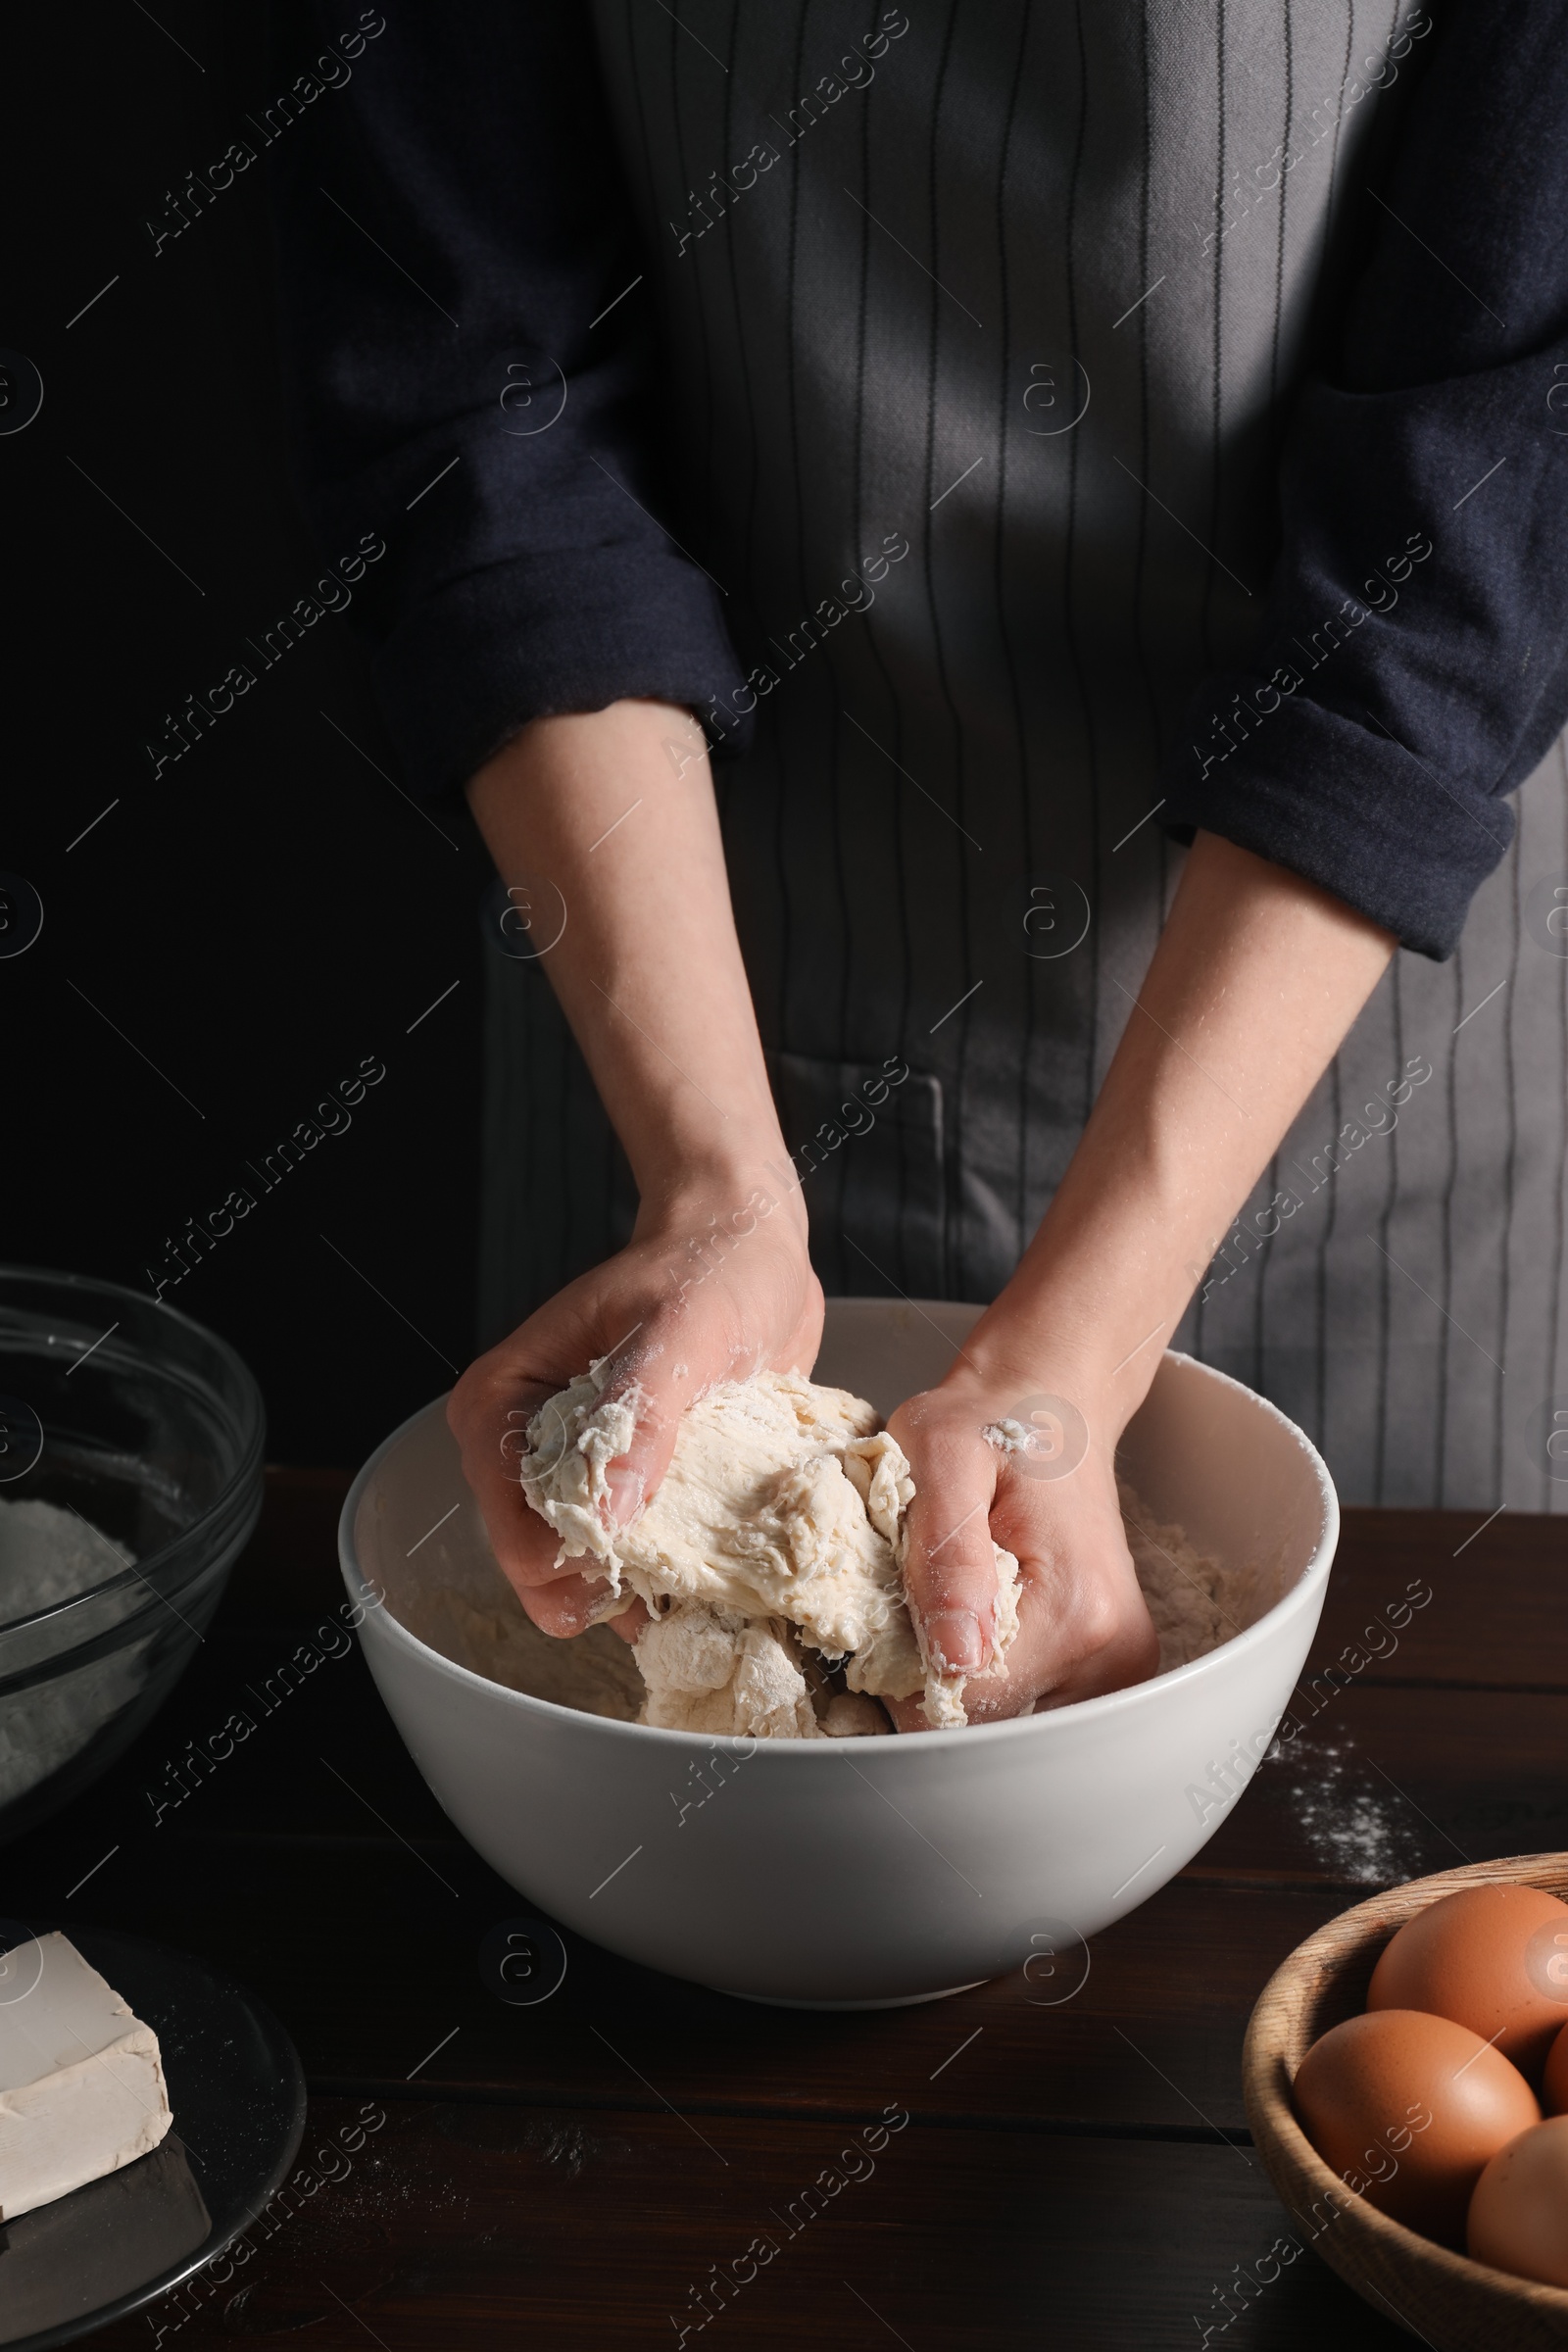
x=608 y=816
x=718 y=1286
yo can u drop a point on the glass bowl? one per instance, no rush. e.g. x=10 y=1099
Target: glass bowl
x=150 y=1429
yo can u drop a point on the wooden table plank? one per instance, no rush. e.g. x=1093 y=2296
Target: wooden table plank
x=276 y=1835
x=1390 y=1783
x=1388 y=1779
x=1497 y=1620
x=371 y=1968
x=1381 y=1782
x=1498 y=1611
x=464 y=2226
x=1066 y=2174
x=1498 y=1607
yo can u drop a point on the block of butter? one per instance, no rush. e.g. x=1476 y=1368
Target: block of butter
x=81 y=2083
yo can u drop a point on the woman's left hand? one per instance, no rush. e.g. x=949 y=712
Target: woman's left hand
x=1257 y=975
x=1050 y=1499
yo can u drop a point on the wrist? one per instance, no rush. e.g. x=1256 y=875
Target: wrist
x=738 y=1185
x=1084 y=1334
x=1107 y=1276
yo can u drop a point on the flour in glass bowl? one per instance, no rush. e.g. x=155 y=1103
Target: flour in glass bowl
x=49 y=1555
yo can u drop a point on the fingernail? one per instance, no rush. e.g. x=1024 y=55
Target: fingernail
x=626 y=1486
x=955 y=1641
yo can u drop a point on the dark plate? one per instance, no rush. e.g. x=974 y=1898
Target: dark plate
x=237 y=2090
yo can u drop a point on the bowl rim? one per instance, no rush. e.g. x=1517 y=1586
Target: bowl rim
x=1271 y=2114
x=1107 y=1706
x=250 y=1428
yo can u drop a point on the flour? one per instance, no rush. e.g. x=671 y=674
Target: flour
x=1349 y=1824
x=487 y=1629
x=48 y=1556
x=1194 y=1601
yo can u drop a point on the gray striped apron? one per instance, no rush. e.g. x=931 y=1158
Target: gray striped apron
x=976 y=415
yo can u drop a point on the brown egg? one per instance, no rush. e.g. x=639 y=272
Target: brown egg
x=1554 y=2081
x=1492 y=1958
x=1407 y=2108
x=1519 y=2210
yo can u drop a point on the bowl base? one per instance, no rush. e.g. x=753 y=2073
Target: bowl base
x=897 y=2000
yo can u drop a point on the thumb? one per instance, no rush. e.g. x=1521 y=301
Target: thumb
x=658 y=1385
x=950 y=1565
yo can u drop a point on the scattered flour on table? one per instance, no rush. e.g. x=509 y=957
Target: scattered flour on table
x=769 y=1561
x=49 y=1555
x=1349 y=1824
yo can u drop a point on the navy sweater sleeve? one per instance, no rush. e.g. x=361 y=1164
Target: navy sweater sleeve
x=467 y=371
x=1414 y=664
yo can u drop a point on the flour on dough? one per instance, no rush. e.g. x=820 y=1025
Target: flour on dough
x=776 y=1539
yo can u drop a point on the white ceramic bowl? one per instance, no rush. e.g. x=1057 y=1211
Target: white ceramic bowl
x=866 y=1872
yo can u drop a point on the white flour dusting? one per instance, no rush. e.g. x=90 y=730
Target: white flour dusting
x=1196 y=1602
x=1353 y=1829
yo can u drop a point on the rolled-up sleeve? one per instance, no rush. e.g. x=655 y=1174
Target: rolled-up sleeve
x=470 y=371
x=1414 y=664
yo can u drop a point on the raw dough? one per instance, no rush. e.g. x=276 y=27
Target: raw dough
x=778 y=1531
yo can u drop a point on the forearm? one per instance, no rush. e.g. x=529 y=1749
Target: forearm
x=609 y=819
x=606 y=819
x=1257 y=977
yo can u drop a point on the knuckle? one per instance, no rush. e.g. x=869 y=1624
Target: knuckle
x=1103 y=1620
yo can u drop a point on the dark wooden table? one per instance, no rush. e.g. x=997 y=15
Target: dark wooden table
x=1071 y=2175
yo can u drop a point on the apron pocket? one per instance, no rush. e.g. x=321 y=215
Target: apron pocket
x=867 y=1142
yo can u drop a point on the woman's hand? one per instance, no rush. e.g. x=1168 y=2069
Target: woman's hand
x=608 y=816
x=1256 y=980
x=1044 y=1486
x=711 y=1290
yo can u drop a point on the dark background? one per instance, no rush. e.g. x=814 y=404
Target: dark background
x=270 y=911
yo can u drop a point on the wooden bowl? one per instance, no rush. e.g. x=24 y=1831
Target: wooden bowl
x=1457 y=2305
